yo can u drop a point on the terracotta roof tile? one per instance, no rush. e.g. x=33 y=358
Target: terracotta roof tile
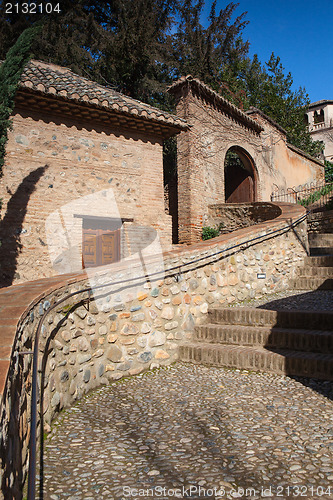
x=49 y=78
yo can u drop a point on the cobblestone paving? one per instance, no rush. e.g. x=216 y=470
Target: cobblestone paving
x=290 y=300
x=189 y=426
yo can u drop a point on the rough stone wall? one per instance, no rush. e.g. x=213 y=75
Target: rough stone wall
x=133 y=329
x=320 y=222
x=233 y=216
x=53 y=160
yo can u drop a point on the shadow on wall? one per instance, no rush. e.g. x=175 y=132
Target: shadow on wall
x=310 y=334
x=12 y=223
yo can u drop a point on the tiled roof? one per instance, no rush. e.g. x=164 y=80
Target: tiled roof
x=253 y=111
x=223 y=103
x=323 y=102
x=47 y=78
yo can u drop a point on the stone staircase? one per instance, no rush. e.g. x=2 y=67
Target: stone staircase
x=283 y=342
x=317 y=272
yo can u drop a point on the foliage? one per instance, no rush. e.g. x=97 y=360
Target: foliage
x=141 y=46
x=136 y=49
x=233 y=160
x=10 y=73
x=328 y=171
x=70 y=38
x=209 y=232
x=204 y=52
x=170 y=159
x=138 y=46
x=268 y=88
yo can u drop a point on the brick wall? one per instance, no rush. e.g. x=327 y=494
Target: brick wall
x=53 y=160
x=202 y=151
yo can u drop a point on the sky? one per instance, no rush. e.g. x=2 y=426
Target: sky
x=299 y=32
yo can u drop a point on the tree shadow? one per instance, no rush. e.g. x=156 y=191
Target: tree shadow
x=12 y=224
x=303 y=337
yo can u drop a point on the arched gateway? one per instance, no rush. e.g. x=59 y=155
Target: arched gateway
x=228 y=156
x=239 y=176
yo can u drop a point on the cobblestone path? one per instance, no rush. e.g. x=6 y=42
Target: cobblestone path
x=167 y=433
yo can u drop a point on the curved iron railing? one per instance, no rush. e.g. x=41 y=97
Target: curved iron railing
x=173 y=271
x=300 y=194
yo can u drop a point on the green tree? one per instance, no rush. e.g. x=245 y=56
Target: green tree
x=205 y=51
x=328 y=171
x=268 y=88
x=135 y=49
x=70 y=38
x=139 y=46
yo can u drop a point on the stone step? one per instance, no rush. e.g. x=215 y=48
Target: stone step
x=320 y=239
x=295 y=339
x=321 y=251
x=279 y=361
x=313 y=271
x=324 y=261
x=311 y=283
x=250 y=316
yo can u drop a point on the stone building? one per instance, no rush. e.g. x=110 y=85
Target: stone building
x=73 y=142
x=266 y=161
x=320 y=120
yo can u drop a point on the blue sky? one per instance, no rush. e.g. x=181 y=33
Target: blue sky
x=299 y=32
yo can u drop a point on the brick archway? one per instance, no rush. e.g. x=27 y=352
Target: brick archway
x=240 y=178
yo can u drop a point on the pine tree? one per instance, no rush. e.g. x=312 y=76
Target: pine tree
x=270 y=89
x=205 y=52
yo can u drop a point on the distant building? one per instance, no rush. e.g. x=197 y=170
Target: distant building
x=320 y=120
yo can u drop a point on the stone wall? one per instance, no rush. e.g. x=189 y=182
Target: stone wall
x=230 y=217
x=320 y=222
x=132 y=326
x=53 y=160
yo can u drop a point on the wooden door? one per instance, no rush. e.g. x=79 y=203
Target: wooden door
x=100 y=247
x=110 y=246
x=239 y=185
x=89 y=248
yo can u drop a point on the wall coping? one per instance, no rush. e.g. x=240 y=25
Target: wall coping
x=216 y=98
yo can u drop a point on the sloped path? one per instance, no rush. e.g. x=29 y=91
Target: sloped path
x=190 y=425
x=15 y=302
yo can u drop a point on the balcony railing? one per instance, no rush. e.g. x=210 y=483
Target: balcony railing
x=320 y=125
x=316 y=126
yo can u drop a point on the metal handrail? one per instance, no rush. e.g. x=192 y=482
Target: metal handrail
x=173 y=271
x=300 y=192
